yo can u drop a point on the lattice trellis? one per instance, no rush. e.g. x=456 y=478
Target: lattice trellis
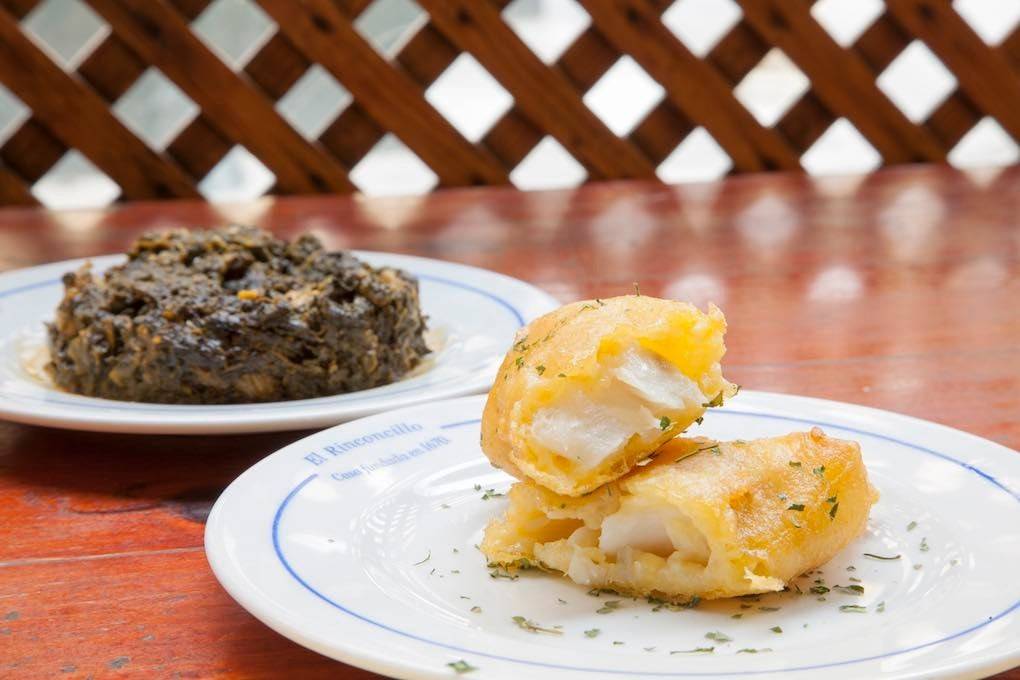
x=72 y=109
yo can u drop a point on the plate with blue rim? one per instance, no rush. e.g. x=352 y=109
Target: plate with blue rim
x=471 y=315
x=360 y=542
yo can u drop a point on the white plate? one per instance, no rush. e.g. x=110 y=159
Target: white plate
x=326 y=542
x=472 y=313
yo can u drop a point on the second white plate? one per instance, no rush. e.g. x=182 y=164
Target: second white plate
x=359 y=543
x=472 y=315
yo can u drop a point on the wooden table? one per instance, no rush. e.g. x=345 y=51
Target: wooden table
x=898 y=290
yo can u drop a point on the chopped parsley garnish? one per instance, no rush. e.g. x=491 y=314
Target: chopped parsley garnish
x=736 y=616
x=851 y=568
x=491 y=493
x=830 y=499
x=833 y=510
x=596 y=592
x=664 y=422
x=769 y=609
x=592 y=632
x=427 y=558
x=696 y=650
x=882 y=557
x=917 y=567
x=461 y=666
x=819 y=471
x=799 y=507
x=478 y=487
x=782 y=496
x=617 y=642
x=561 y=375
x=608 y=607
x=532 y=627
x=794 y=463
x=854 y=579
x=699 y=420
x=881 y=607
x=502 y=572
x=444 y=506
x=819 y=590
x=717 y=400
x=911 y=526
x=519 y=362
x=649 y=649
x=540 y=369
x=776 y=629
x=561 y=600
x=852 y=608
x=750 y=650
x=718 y=637
x=744 y=606
x=924 y=545
x=850 y=590
x=713 y=449
x=476 y=609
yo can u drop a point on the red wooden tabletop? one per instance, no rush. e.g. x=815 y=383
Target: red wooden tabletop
x=898 y=290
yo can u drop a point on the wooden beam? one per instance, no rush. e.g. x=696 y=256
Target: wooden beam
x=841 y=80
x=160 y=36
x=634 y=27
x=542 y=93
x=81 y=119
x=983 y=73
x=325 y=36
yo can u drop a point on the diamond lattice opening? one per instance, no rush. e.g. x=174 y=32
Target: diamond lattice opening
x=701 y=24
x=13 y=113
x=468 y=97
x=698 y=158
x=772 y=87
x=623 y=96
x=389 y=24
x=155 y=109
x=547 y=27
x=313 y=102
x=239 y=176
x=548 y=166
x=75 y=183
x=916 y=81
x=985 y=145
x=846 y=20
x=392 y=169
x=234 y=29
x=993 y=21
x=841 y=150
x=67 y=30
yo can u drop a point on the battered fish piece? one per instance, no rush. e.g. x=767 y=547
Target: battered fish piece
x=592 y=388
x=702 y=519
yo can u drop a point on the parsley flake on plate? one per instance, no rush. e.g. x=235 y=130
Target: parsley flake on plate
x=608 y=607
x=852 y=609
x=461 y=666
x=532 y=627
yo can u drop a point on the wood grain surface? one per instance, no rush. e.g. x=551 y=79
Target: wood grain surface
x=898 y=290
